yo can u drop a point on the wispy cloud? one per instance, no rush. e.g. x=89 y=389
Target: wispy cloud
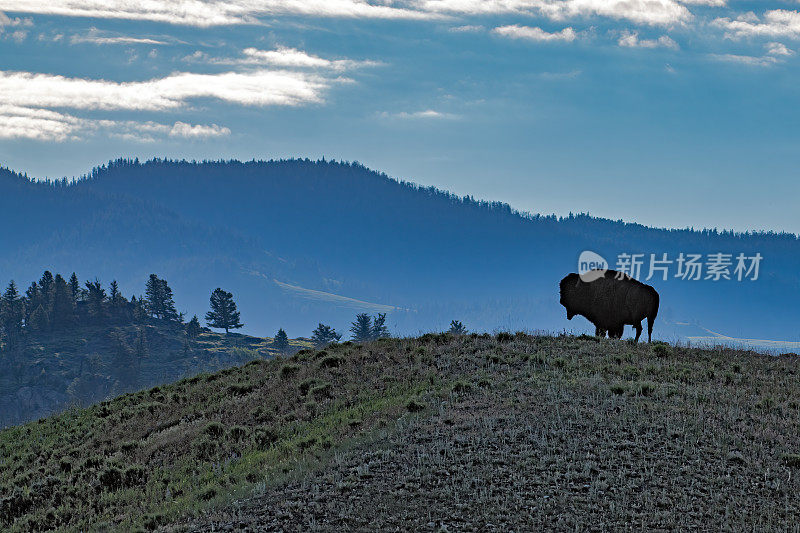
x=219 y=12
x=282 y=57
x=95 y=36
x=775 y=53
x=15 y=28
x=779 y=50
x=211 y=12
x=468 y=28
x=256 y=88
x=755 y=61
x=48 y=125
x=416 y=115
x=34 y=105
x=535 y=33
x=6 y=21
x=197 y=131
x=650 y=12
x=774 y=23
x=630 y=39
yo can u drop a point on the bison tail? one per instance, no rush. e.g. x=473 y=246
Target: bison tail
x=651 y=317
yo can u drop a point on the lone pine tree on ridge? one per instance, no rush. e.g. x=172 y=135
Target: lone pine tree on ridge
x=223 y=314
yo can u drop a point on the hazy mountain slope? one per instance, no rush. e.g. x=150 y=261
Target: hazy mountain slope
x=112 y=236
x=350 y=233
x=82 y=366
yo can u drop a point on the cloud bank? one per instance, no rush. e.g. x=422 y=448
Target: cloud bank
x=42 y=106
x=216 y=12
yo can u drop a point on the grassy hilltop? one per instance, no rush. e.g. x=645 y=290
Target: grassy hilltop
x=490 y=432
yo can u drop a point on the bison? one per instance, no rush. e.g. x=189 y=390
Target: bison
x=610 y=302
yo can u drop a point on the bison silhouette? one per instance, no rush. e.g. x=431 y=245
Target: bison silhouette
x=610 y=302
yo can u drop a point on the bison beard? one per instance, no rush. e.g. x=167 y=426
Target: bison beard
x=610 y=302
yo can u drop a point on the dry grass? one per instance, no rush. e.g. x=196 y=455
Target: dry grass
x=469 y=432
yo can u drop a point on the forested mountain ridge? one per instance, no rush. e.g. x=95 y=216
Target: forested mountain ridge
x=301 y=242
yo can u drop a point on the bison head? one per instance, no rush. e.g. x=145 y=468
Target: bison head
x=567 y=287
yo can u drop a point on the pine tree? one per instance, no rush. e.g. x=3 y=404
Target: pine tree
x=457 y=328
x=63 y=314
x=117 y=303
x=154 y=301
x=46 y=287
x=96 y=298
x=32 y=301
x=324 y=335
x=281 y=341
x=159 y=300
x=75 y=288
x=362 y=328
x=223 y=312
x=193 y=328
x=114 y=296
x=379 y=329
x=12 y=314
x=138 y=310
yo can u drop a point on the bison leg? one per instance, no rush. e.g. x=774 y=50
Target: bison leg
x=638 y=328
x=599 y=332
x=616 y=333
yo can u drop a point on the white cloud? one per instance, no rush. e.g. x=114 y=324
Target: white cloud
x=39 y=124
x=211 y=12
x=5 y=20
x=534 y=33
x=651 y=12
x=47 y=125
x=775 y=53
x=219 y=12
x=181 y=129
x=16 y=24
x=426 y=114
x=779 y=49
x=756 y=61
x=17 y=36
x=257 y=88
x=774 y=23
x=32 y=105
x=630 y=39
x=713 y=3
x=282 y=57
x=469 y=28
x=95 y=36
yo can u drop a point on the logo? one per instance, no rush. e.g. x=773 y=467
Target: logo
x=591 y=266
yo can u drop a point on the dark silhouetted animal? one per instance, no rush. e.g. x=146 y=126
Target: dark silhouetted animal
x=610 y=302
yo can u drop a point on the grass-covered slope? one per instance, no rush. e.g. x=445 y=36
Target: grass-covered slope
x=512 y=431
x=84 y=365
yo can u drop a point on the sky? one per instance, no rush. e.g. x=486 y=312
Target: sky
x=670 y=113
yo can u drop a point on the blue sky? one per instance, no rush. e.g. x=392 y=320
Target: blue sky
x=665 y=112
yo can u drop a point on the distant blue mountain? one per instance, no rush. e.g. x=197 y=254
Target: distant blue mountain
x=300 y=242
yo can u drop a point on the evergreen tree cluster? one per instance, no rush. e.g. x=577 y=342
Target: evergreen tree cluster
x=366 y=328
x=54 y=304
x=324 y=335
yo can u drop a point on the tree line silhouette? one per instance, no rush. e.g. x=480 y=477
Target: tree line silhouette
x=55 y=304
